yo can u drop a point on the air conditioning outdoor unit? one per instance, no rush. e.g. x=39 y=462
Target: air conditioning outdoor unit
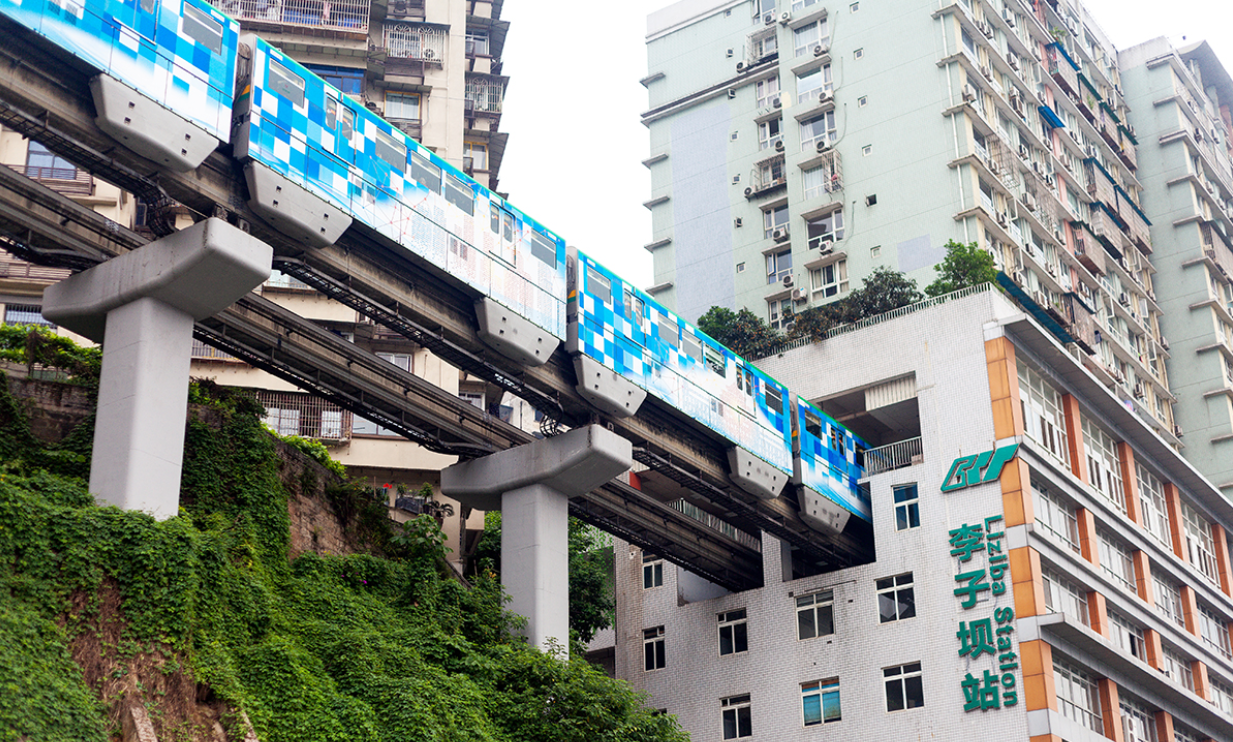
x=968 y=94
x=821 y=49
x=737 y=222
x=1164 y=343
x=779 y=146
x=740 y=66
x=1177 y=431
x=788 y=281
x=748 y=193
x=789 y=326
x=1123 y=299
x=779 y=235
x=987 y=73
x=785 y=17
x=823 y=146
x=799 y=295
x=1139 y=391
x=768 y=19
x=1002 y=221
x=826 y=96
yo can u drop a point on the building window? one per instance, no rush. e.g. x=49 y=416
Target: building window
x=652 y=571
x=653 y=649
x=858 y=53
x=780 y=313
x=1200 y=547
x=1177 y=668
x=862 y=101
x=821 y=179
x=475 y=399
x=770 y=133
x=776 y=218
x=896 y=598
x=25 y=314
x=778 y=266
x=477 y=43
x=766 y=91
x=1103 y=468
x=1115 y=561
x=771 y=173
x=810 y=85
x=1063 y=597
x=1056 y=516
x=1138 y=724
x=475 y=155
x=831 y=279
x=43 y=163
x=820 y=128
x=1215 y=631
x=1168 y=600
x=1042 y=413
x=1127 y=635
x=1181 y=734
x=1152 y=503
x=827 y=228
x=400 y=106
x=805 y=38
x=867 y=150
x=1078 y=698
x=799 y=5
x=349 y=81
x=907 y=507
x=1222 y=696
x=820 y=702
x=815 y=615
x=736 y=717
x=733 y=633
x=904 y=687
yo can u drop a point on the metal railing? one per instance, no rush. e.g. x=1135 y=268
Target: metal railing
x=412 y=41
x=875 y=320
x=341 y=15
x=484 y=94
x=19 y=269
x=67 y=180
x=203 y=352
x=290 y=413
x=893 y=456
x=705 y=518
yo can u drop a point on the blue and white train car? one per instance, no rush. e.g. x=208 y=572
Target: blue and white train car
x=626 y=345
x=316 y=160
x=166 y=69
x=829 y=461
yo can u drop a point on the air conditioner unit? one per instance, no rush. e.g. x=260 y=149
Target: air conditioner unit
x=731 y=92
x=768 y=19
x=823 y=146
x=986 y=29
x=789 y=326
x=740 y=66
x=1049 y=180
x=1051 y=270
x=788 y=281
x=826 y=96
x=1008 y=15
x=777 y=102
x=1029 y=201
x=1060 y=236
x=1023 y=152
x=993 y=167
x=1002 y=220
x=1013 y=62
x=1177 y=431
x=779 y=145
x=1123 y=299
x=799 y=295
x=737 y=222
x=781 y=234
x=1139 y=391
x=969 y=95
x=785 y=17
x=821 y=49
x=822 y=245
x=748 y=193
x=1027 y=248
x=985 y=71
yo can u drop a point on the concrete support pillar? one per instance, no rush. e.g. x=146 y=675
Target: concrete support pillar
x=1089 y=546
x=1225 y=568
x=1074 y=436
x=141 y=306
x=1130 y=481
x=1173 y=501
x=532 y=485
x=1143 y=577
x=1110 y=709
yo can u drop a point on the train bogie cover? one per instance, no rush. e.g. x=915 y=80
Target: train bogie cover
x=832 y=459
x=179 y=53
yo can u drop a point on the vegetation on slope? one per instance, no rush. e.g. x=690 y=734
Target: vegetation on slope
x=100 y=606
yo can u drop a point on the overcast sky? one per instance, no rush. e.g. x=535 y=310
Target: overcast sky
x=574 y=102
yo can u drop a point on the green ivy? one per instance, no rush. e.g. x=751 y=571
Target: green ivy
x=319 y=648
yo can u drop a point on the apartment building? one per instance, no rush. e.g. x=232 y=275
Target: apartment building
x=1048 y=566
x=796 y=145
x=431 y=67
x=1180 y=102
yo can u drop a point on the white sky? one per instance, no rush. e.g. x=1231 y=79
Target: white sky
x=574 y=102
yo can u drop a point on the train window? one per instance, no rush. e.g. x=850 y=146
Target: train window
x=507 y=230
x=634 y=308
x=494 y=218
x=460 y=194
x=715 y=360
x=200 y=27
x=544 y=249
x=599 y=285
x=836 y=438
x=745 y=381
x=348 y=124
x=428 y=174
x=331 y=113
x=668 y=331
x=692 y=347
x=813 y=425
x=147 y=6
x=393 y=151
x=286 y=83
x=774 y=399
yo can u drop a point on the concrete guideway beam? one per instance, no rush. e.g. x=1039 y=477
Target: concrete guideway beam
x=532 y=485
x=141 y=306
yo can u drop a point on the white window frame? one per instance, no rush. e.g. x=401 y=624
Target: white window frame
x=1062 y=596
x=766 y=137
x=822 y=690
x=735 y=624
x=1043 y=420
x=1200 y=545
x=1115 y=561
x=899 y=677
x=1154 y=507
x=1177 y=667
x=1214 y=630
x=810 y=137
x=815 y=605
x=653 y=568
x=830 y=279
x=1104 y=470
x=732 y=708
x=1056 y=516
x=1169 y=600
x=890 y=589
x=766 y=91
x=1078 y=696
x=805 y=38
x=1138 y=724
x=807 y=92
x=907 y=510
x=1127 y=635
x=654 y=651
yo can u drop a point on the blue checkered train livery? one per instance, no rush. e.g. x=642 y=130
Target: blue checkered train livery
x=181 y=53
x=832 y=460
x=304 y=129
x=630 y=333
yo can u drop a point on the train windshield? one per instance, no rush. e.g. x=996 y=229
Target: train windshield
x=286 y=83
x=200 y=27
x=391 y=150
x=546 y=250
x=428 y=174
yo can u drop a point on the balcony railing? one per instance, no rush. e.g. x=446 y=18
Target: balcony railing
x=339 y=15
x=893 y=456
x=484 y=94
x=66 y=180
x=410 y=41
x=20 y=269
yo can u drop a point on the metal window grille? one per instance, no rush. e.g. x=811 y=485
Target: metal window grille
x=342 y=15
x=304 y=415
x=892 y=456
x=413 y=41
x=67 y=180
x=484 y=94
x=280 y=280
x=203 y=352
x=25 y=314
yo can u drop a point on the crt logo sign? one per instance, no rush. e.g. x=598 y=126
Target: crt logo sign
x=977 y=468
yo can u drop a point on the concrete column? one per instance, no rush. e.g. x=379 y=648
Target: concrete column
x=532 y=485
x=141 y=306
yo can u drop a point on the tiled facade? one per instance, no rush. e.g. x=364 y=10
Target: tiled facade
x=1090 y=648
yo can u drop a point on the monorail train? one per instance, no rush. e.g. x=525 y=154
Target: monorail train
x=176 y=79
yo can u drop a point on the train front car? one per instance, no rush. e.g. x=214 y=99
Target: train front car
x=627 y=345
x=317 y=161
x=828 y=468
x=166 y=69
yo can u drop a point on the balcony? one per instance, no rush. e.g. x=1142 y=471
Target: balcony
x=339 y=16
x=409 y=47
x=1090 y=254
x=768 y=175
x=897 y=455
x=70 y=181
x=1061 y=70
x=484 y=95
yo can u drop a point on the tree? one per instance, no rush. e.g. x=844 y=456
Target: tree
x=592 y=604
x=743 y=332
x=883 y=290
x=963 y=266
